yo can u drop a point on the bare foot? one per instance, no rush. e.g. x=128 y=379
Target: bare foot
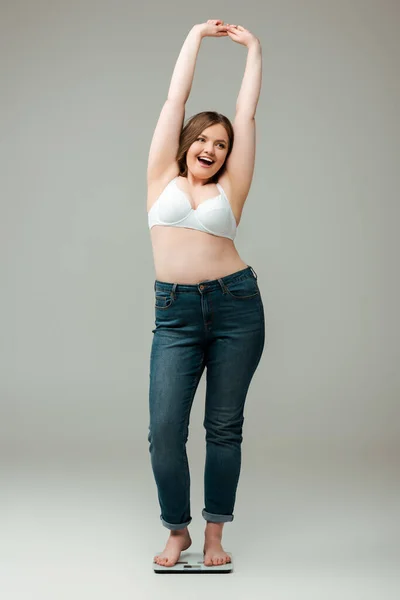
x=214 y=554
x=178 y=541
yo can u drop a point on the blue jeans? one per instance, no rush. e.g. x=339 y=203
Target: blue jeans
x=218 y=324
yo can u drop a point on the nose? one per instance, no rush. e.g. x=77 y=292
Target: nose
x=210 y=149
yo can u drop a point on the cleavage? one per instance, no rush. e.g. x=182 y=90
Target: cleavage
x=190 y=199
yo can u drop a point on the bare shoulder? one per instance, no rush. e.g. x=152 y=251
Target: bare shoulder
x=156 y=185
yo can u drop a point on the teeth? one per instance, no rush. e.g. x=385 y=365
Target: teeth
x=207 y=159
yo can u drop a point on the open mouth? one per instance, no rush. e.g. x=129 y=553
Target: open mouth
x=205 y=162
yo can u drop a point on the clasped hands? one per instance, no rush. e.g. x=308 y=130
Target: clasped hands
x=237 y=33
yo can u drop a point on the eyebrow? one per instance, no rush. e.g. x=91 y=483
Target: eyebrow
x=204 y=135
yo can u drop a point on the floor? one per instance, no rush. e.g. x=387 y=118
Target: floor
x=322 y=530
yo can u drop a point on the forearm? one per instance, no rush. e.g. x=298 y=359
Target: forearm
x=182 y=77
x=251 y=84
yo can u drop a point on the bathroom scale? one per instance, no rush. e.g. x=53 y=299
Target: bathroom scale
x=193 y=562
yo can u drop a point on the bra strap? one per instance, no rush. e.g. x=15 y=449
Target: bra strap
x=221 y=189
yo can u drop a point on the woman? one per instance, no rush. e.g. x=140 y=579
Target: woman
x=208 y=307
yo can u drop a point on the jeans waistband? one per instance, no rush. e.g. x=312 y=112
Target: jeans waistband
x=211 y=284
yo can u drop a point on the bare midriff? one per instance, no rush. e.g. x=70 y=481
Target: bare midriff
x=189 y=256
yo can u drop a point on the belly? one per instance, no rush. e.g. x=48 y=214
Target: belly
x=188 y=256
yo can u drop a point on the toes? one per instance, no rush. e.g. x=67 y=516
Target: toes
x=164 y=561
x=216 y=561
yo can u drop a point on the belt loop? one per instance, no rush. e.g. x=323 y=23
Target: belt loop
x=173 y=290
x=223 y=286
x=155 y=283
x=253 y=271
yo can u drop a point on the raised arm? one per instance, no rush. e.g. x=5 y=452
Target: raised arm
x=165 y=142
x=182 y=76
x=240 y=163
x=249 y=93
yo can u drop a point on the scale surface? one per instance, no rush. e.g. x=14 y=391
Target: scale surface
x=192 y=562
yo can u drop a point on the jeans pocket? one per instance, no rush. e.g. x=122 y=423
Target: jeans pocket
x=243 y=288
x=163 y=299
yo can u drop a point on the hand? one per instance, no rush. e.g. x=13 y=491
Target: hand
x=213 y=28
x=242 y=36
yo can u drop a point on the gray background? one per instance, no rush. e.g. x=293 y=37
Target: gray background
x=82 y=87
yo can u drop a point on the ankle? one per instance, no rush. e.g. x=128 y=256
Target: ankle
x=183 y=531
x=213 y=530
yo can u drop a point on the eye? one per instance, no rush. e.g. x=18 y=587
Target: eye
x=221 y=144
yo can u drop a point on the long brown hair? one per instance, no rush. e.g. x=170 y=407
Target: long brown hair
x=190 y=132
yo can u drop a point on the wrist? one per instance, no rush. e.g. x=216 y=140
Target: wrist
x=198 y=30
x=254 y=43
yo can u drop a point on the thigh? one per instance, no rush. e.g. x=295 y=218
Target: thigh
x=176 y=366
x=232 y=357
x=230 y=370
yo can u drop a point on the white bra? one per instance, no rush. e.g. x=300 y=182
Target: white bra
x=173 y=209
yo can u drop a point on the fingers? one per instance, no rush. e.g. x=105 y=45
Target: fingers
x=220 y=22
x=239 y=27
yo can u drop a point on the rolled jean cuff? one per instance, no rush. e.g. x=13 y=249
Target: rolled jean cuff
x=178 y=526
x=216 y=518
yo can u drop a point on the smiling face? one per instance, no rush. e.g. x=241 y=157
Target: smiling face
x=213 y=143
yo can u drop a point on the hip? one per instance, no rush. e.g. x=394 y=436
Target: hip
x=230 y=304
